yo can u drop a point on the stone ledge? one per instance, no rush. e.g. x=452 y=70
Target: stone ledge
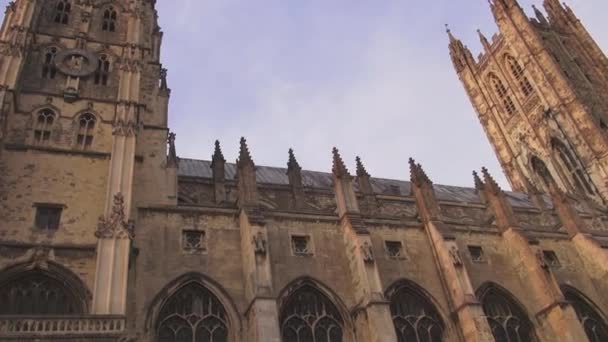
x=61 y=326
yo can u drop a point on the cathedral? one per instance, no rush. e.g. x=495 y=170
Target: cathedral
x=107 y=235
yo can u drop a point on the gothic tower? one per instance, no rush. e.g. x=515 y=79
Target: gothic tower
x=539 y=91
x=84 y=112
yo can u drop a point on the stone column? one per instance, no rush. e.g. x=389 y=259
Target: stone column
x=452 y=271
x=262 y=313
x=557 y=317
x=374 y=322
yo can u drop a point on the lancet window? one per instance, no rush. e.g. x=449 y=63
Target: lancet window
x=414 y=317
x=506 y=318
x=595 y=326
x=35 y=293
x=309 y=316
x=572 y=167
x=109 y=19
x=503 y=94
x=518 y=74
x=86 y=125
x=62 y=12
x=44 y=126
x=193 y=314
x=49 y=70
x=102 y=74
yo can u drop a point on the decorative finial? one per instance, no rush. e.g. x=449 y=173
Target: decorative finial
x=339 y=169
x=292 y=163
x=218 y=156
x=489 y=181
x=478 y=182
x=361 y=171
x=244 y=155
x=417 y=174
x=172 y=160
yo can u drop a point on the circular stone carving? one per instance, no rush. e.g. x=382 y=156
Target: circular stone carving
x=76 y=62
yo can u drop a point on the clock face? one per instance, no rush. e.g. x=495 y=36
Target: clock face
x=76 y=62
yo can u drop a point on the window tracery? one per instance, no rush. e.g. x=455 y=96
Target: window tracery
x=503 y=94
x=572 y=167
x=595 y=327
x=507 y=320
x=35 y=293
x=193 y=314
x=109 y=19
x=49 y=70
x=62 y=12
x=102 y=73
x=414 y=317
x=43 y=126
x=540 y=168
x=86 y=125
x=309 y=316
x=518 y=74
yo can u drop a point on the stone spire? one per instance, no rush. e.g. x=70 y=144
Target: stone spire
x=218 y=163
x=361 y=171
x=244 y=155
x=539 y=15
x=292 y=163
x=339 y=169
x=478 y=182
x=365 y=186
x=460 y=54
x=417 y=174
x=218 y=156
x=172 y=160
x=294 y=173
x=484 y=41
x=490 y=183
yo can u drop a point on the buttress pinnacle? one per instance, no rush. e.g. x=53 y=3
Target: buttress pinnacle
x=417 y=174
x=218 y=156
x=244 y=155
x=490 y=182
x=361 y=171
x=292 y=163
x=339 y=169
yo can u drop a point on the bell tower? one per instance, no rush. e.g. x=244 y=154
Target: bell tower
x=539 y=91
x=83 y=130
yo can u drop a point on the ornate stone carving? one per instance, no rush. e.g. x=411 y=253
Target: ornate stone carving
x=259 y=243
x=40 y=257
x=115 y=226
x=76 y=62
x=366 y=252
x=125 y=128
x=455 y=255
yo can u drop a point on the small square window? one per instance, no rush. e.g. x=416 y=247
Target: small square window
x=394 y=249
x=551 y=259
x=476 y=253
x=48 y=216
x=300 y=245
x=193 y=241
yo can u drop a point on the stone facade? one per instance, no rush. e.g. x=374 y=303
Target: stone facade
x=106 y=235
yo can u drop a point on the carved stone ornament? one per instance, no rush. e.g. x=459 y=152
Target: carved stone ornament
x=125 y=128
x=40 y=257
x=367 y=253
x=455 y=255
x=76 y=62
x=259 y=243
x=116 y=225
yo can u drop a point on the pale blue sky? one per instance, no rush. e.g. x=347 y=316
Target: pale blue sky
x=371 y=77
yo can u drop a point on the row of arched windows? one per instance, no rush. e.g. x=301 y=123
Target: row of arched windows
x=44 y=123
x=519 y=78
x=63 y=9
x=100 y=77
x=194 y=313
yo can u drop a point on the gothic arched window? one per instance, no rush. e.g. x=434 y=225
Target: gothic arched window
x=572 y=166
x=49 y=70
x=309 y=316
x=506 y=318
x=62 y=12
x=102 y=74
x=35 y=293
x=43 y=126
x=518 y=74
x=415 y=318
x=86 y=124
x=192 y=314
x=503 y=94
x=595 y=327
x=109 y=19
x=540 y=168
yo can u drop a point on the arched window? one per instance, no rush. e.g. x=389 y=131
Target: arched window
x=503 y=94
x=595 y=327
x=309 y=316
x=62 y=12
x=109 y=19
x=414 y=316
x=506 y=318
x=102 y=74
x=518 y=74
x=572 y=167
x=540 y=168
x=86 y=124
x=49 y=70
x=35 y=293
x=44 y=126
x=192 y=314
